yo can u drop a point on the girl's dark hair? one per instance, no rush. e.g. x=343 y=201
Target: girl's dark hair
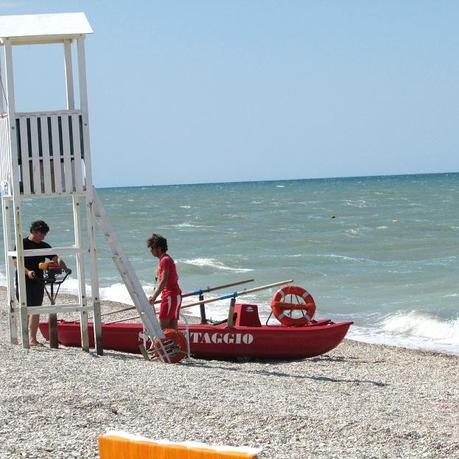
x=157 y=241
x=39 y=226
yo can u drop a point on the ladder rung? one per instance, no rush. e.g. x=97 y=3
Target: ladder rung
x=58 y=308
x=52 y=251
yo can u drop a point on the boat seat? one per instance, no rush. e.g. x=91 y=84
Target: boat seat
x=246 y=315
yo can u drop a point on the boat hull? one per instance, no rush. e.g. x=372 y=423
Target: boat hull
x=220 y=341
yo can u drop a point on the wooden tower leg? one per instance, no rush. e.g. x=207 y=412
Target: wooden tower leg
x=52 y=326
x=12 y=310
x=80 y=273
x=24 y=318
x=94 y=276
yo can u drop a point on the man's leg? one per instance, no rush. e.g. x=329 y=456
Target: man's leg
x=35 y=293
x=33 y=328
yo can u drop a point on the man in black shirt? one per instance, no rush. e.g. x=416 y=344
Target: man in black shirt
x=35 y=287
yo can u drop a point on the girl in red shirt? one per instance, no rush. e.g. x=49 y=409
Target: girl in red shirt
x=171 y=295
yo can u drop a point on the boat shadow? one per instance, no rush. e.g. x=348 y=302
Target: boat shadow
x=117 y=355
x=281 y=374
x=259 y=372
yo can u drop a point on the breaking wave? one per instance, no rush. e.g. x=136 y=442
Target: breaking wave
x=414 y=330
x=212 y=263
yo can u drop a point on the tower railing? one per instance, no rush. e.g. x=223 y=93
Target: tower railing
x=50 y=152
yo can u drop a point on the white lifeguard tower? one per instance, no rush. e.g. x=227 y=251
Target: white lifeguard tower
x=47 y=154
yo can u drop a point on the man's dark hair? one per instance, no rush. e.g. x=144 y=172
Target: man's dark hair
x=39 y=226
x=157 y=241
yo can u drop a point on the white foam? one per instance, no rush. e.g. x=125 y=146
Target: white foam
x=344 y=257
x=360 y=203
x=413 y=330
x=422 y=325
x=186 y=225
x=212 y=263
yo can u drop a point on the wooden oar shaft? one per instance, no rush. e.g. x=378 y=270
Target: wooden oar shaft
x=185 y=295
x=224 y=297
x=236 y=294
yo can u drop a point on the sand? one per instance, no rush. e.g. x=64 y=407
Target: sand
x=360 y=400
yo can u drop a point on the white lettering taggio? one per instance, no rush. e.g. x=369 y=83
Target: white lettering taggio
x=221 y=338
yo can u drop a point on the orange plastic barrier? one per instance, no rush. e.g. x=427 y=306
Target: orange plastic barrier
x=121 y=445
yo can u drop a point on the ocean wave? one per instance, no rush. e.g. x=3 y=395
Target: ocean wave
x=352 y=232
x=188 y=225
x=212 y=263
x=360 y=203
x=422 y=325
x=345 y=258
x=412 y=330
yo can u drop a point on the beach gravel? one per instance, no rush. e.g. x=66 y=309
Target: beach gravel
x=358 y=401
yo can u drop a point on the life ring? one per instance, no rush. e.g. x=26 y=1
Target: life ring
x=176 y=345
x=284 y=310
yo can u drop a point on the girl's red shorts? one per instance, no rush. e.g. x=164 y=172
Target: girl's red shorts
x=170 y=305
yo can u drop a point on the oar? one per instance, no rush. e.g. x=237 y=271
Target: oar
x=223 y=297
x=236 y=294
x=184 y=295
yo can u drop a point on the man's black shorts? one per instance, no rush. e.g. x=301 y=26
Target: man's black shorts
x=35 y=292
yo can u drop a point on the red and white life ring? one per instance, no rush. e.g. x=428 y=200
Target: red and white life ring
x=177 y=340
x=283 y=309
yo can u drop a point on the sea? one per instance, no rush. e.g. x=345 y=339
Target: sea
x=382 y=252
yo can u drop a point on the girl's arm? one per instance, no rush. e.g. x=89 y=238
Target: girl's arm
x=160 y=287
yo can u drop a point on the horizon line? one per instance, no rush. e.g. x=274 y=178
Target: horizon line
x=349 y=177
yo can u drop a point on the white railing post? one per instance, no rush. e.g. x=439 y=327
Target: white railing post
x=10 y=295
x=80 y=273
x=94 y=275
x=69 y=75
x=16 y=198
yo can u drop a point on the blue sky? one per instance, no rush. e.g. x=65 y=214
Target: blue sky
x=210 y=91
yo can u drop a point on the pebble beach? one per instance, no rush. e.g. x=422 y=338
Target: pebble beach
x=359 y=400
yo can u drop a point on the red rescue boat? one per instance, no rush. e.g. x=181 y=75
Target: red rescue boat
x=245 y=339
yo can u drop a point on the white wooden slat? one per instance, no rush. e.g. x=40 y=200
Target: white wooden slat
x=84 y=110
x=69 y=74
x=56 y=154
x=25 y=162
x=5 y=153
x=61 y=251
x=6 y=206
x=48 y=309
x=46 y=156
x=35 y=155
x=91 y=217
x=77 y=153
x=2 y=108
x=68 y=180
x=80 y=272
